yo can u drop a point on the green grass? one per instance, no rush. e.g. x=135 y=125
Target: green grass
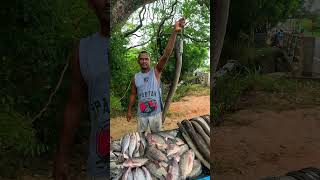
x=307 y=26
x=230 y=89
x=190 y=90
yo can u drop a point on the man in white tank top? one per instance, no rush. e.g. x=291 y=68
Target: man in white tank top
x=89 y=86
x=146 y=84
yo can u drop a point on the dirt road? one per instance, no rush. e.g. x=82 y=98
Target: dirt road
x=254 y=144
x=187 y=107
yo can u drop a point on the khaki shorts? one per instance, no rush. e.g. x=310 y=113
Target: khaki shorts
x=155 y=123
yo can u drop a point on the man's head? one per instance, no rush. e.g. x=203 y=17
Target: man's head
x=144 y=60
x=102 y=10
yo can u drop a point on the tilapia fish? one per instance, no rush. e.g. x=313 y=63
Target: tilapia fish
x=126 y=174
x=156 y=170
x=132 y=144
x=156 y=154
x=186 y=163
x=138 y=139
x=135 y=162
x=138 y=174
x=143 y=144
x=125 y=143
x=130 y=175
x=196 y=169
x=174 y=171
x=154 y=139
x=146 y=173
x=172 y=149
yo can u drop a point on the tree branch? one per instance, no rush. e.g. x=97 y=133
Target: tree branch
x=126 y=34
x=161 y=25
x=195 y=39
x=144 y=43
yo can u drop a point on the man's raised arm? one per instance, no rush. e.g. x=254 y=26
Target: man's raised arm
x=167 y=52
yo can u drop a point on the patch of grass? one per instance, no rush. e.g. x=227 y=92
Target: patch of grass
x=190 y=90
x=174 y=114
x=231 y=88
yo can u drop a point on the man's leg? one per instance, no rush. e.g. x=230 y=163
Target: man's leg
x=142 y=124
x=155 y=122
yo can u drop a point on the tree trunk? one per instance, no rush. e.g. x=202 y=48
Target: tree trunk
x=122 y=9
x=218 y=30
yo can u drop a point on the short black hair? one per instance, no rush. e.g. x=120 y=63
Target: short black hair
x=143 y=52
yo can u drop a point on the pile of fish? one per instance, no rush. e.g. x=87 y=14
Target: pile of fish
x=148 y=156
x=196 y=133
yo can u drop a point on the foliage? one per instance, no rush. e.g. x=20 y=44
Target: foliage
x=255 y=16
x=232 y=87
x=39 y=38
x=190 y=89
x=124 y=59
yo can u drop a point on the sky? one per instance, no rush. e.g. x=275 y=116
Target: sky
x=134 y=40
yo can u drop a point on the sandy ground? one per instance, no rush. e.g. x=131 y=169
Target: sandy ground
x=187 y=107
x=256 y=144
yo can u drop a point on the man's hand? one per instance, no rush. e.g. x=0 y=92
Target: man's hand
x=129 y=116
x=179 y=25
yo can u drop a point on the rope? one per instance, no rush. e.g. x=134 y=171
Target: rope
x=124 y=94
x=53 y=93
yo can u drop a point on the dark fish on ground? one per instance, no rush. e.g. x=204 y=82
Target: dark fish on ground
x=199 y=130
x=206 y=118
x=203 y=124
x=203 y=148
x=193 y=146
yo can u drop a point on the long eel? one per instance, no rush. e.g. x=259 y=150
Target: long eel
x=203 y=148
x=193 y=146
x=173 y=87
